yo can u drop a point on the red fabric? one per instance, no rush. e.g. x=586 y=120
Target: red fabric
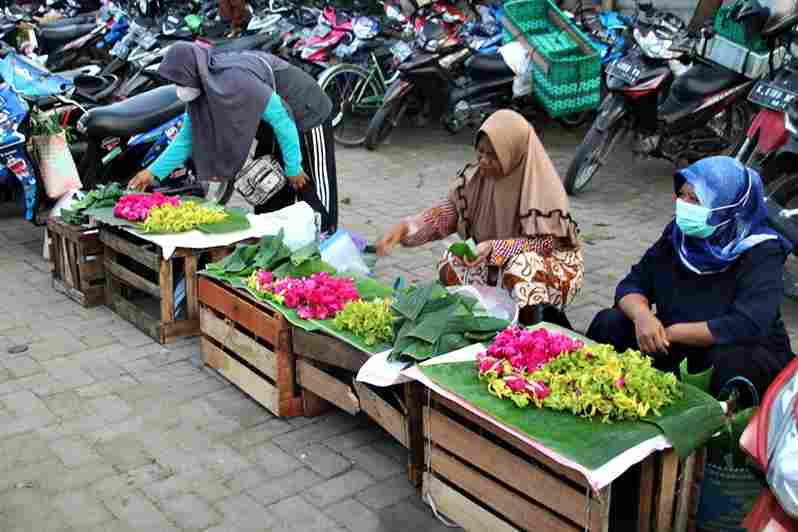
x=767 y=516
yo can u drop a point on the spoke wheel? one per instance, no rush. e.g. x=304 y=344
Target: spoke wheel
x=356 y=96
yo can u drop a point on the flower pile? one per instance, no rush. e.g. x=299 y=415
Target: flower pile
x=551 y=370
x=178 y=217
x=318 y=297
x=136 y=207
x=370 y=320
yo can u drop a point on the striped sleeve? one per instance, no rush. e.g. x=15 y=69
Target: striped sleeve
x=434 y=223
x=503 y=250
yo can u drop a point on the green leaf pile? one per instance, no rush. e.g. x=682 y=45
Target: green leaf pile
x=101 y=197
x=434 y=322
x=370 y=320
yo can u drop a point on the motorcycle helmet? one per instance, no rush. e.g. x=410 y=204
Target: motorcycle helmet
x=432 y=36
x=365 y=28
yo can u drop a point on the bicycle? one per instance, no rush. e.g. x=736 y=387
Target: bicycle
x=357 y=93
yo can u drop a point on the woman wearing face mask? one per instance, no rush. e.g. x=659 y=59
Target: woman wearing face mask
x=231 y=98
x=715 y=277
x=513 y=204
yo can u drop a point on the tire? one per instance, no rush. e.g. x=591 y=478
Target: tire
x=732 y=126
x=384 y=121
x=574 y=120
x=356 y=97
x=591 y=155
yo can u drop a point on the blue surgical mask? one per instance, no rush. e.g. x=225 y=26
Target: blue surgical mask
x=692 y=219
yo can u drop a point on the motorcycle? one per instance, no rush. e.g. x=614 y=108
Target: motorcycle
x=676 y=113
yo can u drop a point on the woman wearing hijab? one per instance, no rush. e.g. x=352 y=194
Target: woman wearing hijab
x=228 y=96
x=715 y=277
x=512 y=203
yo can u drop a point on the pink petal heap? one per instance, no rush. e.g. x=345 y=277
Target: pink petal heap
x=136 y=207
x=515 y=354
x=318 y=297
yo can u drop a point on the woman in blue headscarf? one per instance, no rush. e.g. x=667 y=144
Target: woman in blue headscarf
x=715 y=277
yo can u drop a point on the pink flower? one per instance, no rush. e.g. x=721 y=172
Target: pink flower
x=529 y=350
x=319 y=296
x=136 y=207
x=538 y=389
x=515 y=383
x=620 y=383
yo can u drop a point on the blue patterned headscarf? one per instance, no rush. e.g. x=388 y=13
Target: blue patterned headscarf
x=736 y=196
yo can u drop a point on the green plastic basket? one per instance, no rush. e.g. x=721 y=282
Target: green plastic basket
x=727 y=27
x=566 y=77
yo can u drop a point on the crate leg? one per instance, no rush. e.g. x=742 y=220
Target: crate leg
x=414 y=401
x=112 y=286
x=192 y=302
x=167 y=284
x=667 y=490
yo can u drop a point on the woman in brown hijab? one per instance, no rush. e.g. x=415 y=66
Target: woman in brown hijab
x=512 y=203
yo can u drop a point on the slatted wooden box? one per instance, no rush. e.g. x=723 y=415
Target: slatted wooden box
x=249 y=343
x=76 y=255
x=485 y=478
x=327 y=367
x=140 y=284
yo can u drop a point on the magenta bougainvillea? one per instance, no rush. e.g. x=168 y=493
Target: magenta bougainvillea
x=136 y=207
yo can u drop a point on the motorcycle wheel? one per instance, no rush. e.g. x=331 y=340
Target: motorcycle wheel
x=356 y=96
x=384 y=121
x=574 y=120
x=590 y=156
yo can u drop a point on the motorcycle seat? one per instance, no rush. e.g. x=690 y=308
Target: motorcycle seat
x=88 y=18
x=64 y=34
x=702 y=80
x=489 y=66
x=137 y=114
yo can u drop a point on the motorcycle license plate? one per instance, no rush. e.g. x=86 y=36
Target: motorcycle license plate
x=771 y=96
x=625 y=70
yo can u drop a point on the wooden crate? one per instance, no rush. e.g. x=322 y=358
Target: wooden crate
x=327 y=367
x=249 y=343
x=485 y=478
x=140 y=284
x=76 y=257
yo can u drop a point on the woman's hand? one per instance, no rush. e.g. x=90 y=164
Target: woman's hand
x=141 y=181
x=484 y=249
x=392 y=238
x=299 y=181
x=651 y=334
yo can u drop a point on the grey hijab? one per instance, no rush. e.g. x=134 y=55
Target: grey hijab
x=235 y=88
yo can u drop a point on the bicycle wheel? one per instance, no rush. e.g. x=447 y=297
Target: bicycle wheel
x=356 y=95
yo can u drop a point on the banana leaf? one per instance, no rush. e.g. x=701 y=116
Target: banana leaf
x=688 y=423
x=236 y=221
x=410 y=303
x=464 y=250
x=305 y=253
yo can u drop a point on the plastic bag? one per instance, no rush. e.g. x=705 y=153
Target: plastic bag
x=299 y=224
x=56 y=166
x=340 y=252
x=516 y=57
x=496 y=301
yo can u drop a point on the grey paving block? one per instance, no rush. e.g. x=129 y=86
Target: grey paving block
x=24 y=449
x=407 y=515
x=257 y=434
x=139 y=513
x=323 y=460
x=338 y=488
x=273 y=460
x=74 y=451
x=279 y=488
x=199 y=482
x=22 y=366
x=356 y=517
x=296 y=514
x=356 y=438
x=82 y=509
x=243 y=513
x=190 y=512
x=317 y=432
x=125 y=483
x=387 y=492
x=67 y=405
x=124 y=452
x=375 y=463
x=110 y=407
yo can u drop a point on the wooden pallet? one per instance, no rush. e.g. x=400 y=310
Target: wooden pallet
x=140 y=284
x=327 y=367
x=249 y=343
x=485 y=478
x=76 y=256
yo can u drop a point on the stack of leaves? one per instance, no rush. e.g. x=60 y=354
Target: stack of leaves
x=136 y=207
x=182 y=216
x=102 y=196
x=318 y=297
x=370 y=320
x=587 y=381
x=272 y=255
x=434 y=322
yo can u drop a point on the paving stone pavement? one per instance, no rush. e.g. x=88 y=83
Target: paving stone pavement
x=102 y=430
